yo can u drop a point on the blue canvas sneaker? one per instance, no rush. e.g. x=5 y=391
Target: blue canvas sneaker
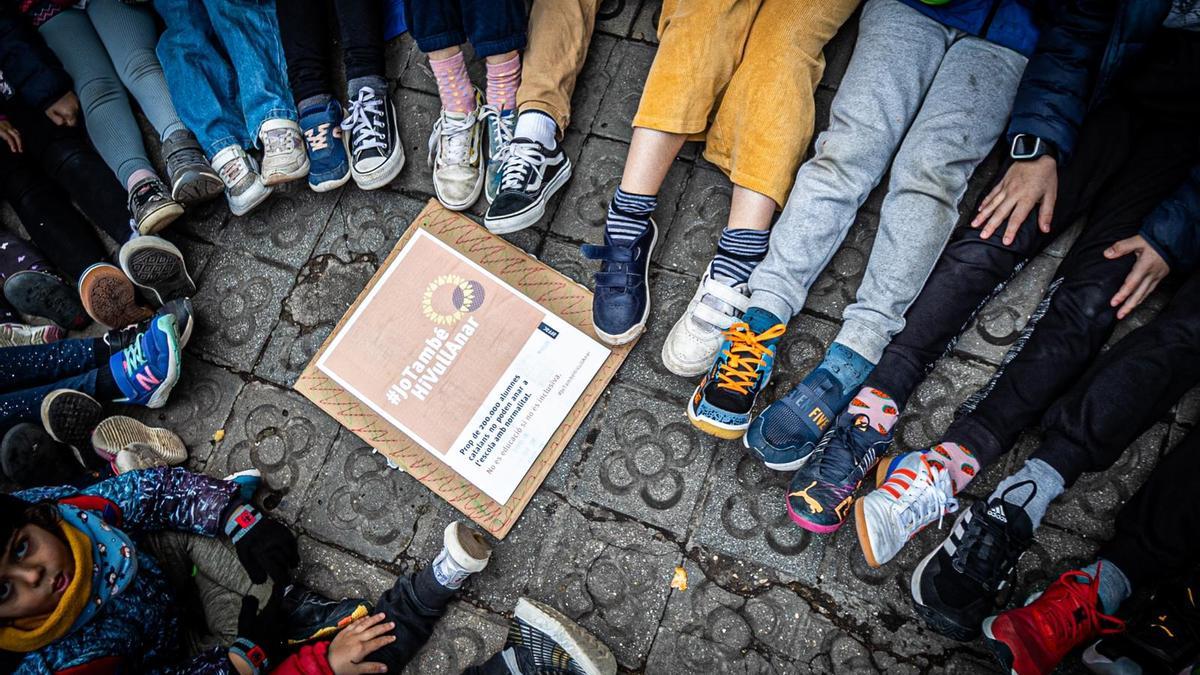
x=621 y=303
x=329 y=165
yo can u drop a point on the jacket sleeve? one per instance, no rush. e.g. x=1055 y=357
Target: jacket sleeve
x=28 y=64
x=1173 y=228
x=214 y=661
x=309 y=660
x=1053 y=96
x=167 y=499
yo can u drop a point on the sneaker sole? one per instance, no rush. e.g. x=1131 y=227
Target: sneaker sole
x=44 y=295
x=864 y=537
x=531 y=214
x=471 y=554
x=115 y=433
x=616 y=340
x=160 y=217
x=383 y=175
x=78 y=409
x=712 y=428
x=281 y=177
x=811 y=527
x=1000 y=650
x=329 y=185
x=159 y=398
x=158 y=267
x=196 y=187
x=110 y=299
x=592 y=656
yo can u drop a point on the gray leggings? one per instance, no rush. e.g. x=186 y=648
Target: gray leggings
x=102 y=47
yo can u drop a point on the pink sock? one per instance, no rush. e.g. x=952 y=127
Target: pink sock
x=140 y=174
x=877 y=406
x=502 y=82
x=956 y=459
x=454 y=85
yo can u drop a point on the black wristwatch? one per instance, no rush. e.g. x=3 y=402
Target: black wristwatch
x=1027 y=147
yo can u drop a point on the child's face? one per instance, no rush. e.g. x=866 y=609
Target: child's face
x=34 y=572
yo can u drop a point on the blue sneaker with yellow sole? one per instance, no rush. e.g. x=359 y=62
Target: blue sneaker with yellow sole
x=723 y=400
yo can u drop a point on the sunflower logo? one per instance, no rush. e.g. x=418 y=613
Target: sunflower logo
x=448 y=297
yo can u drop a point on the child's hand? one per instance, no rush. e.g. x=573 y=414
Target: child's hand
x=64 y=111
x=357 y=642
x=10 y=135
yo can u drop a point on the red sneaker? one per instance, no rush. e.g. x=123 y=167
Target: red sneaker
x=1034 y=638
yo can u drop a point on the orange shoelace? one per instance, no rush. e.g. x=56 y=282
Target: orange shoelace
x=739 y=372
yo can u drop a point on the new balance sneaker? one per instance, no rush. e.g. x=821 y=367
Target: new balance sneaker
x=114 y=434
x=148 y=369
x=695 y=338
x=328 y=163
x=954 y=588
x=109 y=297
x=310 y=616
x=180 y=309
x=1163 y=638
x=156 y=266
x=456 y=155
x=911 y=494
x=528 y=177
x=376 y=149
x=822 y=491
x=621 y=301
x=722 y=402
x=21 y=335
x=543 y=640
x=284 y=155
x=29 y=457
x=70 y=416
x=193 y=181
x=151 y=205
x=244 y=188
x=786 y=434
x=501 y=125
x=1033 y=639
x=42 y=294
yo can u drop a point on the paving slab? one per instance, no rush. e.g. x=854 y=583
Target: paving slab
x=465 y=636
x=237 y=305
x=629 y=64
x=669 y=297
x=367 y=225
x=285 y=227
x=199 y=405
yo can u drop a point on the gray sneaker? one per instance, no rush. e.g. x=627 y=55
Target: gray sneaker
x=192 y=180
x=244 y=188
x=151 y=205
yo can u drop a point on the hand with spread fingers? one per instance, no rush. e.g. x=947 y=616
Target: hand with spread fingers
x=1025 y=186
x=348 y=651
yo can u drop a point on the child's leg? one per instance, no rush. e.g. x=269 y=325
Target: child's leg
x=304 y=35
x=494 y=27
x=110 y=120
x=25 y=367
x=362 y=41
x=559 y=36
x=130 y=36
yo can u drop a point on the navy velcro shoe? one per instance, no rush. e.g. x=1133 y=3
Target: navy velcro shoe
x=621 y=303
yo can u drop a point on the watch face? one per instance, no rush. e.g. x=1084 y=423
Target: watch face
x=1027 y=147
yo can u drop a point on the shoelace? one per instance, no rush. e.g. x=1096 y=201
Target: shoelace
x=279 y=141
x=914 y=509
x=453 y=137
x=836 y=467
x=366 y=122
x=521 y=161
x=983 y=553
x=233 y=171
x=504 y=132
x=134 y=356
x=1056 y=610
x=739 y=370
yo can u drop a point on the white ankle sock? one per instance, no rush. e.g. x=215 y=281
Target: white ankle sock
x=538 y=126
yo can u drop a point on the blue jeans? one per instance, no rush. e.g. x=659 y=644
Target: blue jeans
x=493 y=26
x=225 y=68
x=27 y=374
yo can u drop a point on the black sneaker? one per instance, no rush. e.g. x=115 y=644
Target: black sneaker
x=376 y=150
x=151 y=206
x=180 y=308
x=821 y=494
x=193 y=180
x=543 y=640
x=529 y=177
x=156 y=266
x=44 y=295
x=955 y=587
x=311 y=616
x=29 y=457
x=70 y=417
x=1165 y=638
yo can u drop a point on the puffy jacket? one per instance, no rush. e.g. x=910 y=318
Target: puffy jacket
x=29 y=71
x=309 y=660
x=1008 y=23
x=138 y=630
x=1078 y=58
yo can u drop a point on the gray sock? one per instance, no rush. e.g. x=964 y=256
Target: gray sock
x=1042 y=485
x=320 y=100
x=373 y=81
x=1114 y=585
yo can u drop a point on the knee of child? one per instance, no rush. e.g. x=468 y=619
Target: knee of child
x=98 y=92
x=141 y=63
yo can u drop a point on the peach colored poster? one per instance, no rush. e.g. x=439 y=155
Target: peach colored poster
x=462 y=363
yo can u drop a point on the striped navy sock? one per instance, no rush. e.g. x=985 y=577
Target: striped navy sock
x=738 y=253
x=628 y=216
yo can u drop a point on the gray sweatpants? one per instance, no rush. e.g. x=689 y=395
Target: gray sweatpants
x=941 y=97
x=102 y=47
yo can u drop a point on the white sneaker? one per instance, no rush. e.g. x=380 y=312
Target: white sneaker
x=695 y=338
x=244 y=188
x=914 y=494
x=137 y=457
x=285 y=157
x=456 y=154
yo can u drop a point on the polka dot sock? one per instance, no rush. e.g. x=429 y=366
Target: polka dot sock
x=956 y=459
x=502 y=82
x=454 y=85
x=877 y=406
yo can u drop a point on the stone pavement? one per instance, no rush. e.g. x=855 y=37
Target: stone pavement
x=639 y=491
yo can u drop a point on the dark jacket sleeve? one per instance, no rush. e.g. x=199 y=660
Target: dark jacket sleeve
x=1173 y=229
x=28 y=64
x=1054 y=92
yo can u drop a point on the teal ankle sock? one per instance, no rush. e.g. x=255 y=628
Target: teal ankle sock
x=760 y=320
x=847 y=367
x=1114 y=585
